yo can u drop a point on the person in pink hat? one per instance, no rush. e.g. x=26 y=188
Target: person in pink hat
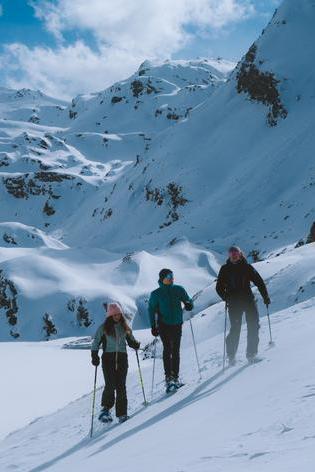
x=113 y=335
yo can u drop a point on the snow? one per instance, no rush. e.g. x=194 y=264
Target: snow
x=258 y=416
x=39 y=379
x=166 y=168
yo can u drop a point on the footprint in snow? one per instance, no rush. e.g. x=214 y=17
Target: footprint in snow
x=258 y=454
x=309 y=437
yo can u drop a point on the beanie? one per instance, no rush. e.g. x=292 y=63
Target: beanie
x=114 y=308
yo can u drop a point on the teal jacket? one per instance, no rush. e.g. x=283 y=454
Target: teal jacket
x=166 y=301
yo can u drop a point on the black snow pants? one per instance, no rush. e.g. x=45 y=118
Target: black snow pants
x=171 y=337
x=236 y=309
x=115 y=374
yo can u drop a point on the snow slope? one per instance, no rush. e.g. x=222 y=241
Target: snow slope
x=38 y=379
x=241 y=168
x=55 y=157
x=257 y=418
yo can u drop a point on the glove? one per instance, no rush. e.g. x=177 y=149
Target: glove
x=155 y=331
x=267 y=300
x=95 y=358
x=188 y=305
x=137 y=345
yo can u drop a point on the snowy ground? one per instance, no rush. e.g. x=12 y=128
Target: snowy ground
x=40 y=377
x=260 y=416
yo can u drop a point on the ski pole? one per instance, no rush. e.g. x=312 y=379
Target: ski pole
x=93 y=402
x=141 y=379
x=153 y=371
x=224 y=342
x=195 y=348
x=271 y=343
x=154 y=357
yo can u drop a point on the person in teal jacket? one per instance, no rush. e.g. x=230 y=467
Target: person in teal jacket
x=166 y=317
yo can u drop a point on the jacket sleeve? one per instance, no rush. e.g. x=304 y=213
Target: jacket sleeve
x=97 y=339
x=258 y=281
x=185 y=298
x=132 y=342
x=221 y=285
x=153 y=308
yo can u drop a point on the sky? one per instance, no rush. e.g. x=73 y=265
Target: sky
x=67 y=47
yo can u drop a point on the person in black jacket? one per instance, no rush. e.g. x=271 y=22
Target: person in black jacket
x=233 y=286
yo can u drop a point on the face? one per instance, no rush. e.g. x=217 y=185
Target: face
x=169 y=279
x=117 y=317
x=235 y=255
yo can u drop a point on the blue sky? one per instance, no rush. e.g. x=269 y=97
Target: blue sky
x=65 y=47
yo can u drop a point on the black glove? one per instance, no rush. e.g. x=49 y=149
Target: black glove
x=155 y=331
x=267 y=300
x=137 y=345
x=95 y=358
x=188 y=305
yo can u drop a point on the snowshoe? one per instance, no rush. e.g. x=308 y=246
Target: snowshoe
x=170 y=388
x=123 y=418
x=178 y=384
x=105 y=416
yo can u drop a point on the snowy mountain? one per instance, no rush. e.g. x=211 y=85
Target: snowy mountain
x=233 y=171
x=167 y=168
x=57 y=158
x=163 y=169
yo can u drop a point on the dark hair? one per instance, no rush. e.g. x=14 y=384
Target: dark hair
x=110 y=323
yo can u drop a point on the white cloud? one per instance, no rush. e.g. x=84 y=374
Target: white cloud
x=125 y=31
x=67 y=71
x=148 y=25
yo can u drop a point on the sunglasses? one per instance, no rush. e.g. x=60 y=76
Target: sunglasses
x=169 y=277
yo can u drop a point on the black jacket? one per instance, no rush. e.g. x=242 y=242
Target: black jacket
x=234 y=281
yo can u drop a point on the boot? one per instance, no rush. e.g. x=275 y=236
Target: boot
x=105 y=416
x=253 y=359
x=232 y=361
x=177 y=383
x=123 y=418
x=170 y=385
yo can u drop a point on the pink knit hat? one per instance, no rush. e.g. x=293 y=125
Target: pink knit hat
x=114 y=308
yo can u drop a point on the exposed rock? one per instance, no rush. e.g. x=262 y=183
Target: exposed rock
x=9 y=239
x=8 y=299
x=49 y=326
x=260 y=87
x=311 y=236
x=172 y=195
x=48 y=209
x=116 y=99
